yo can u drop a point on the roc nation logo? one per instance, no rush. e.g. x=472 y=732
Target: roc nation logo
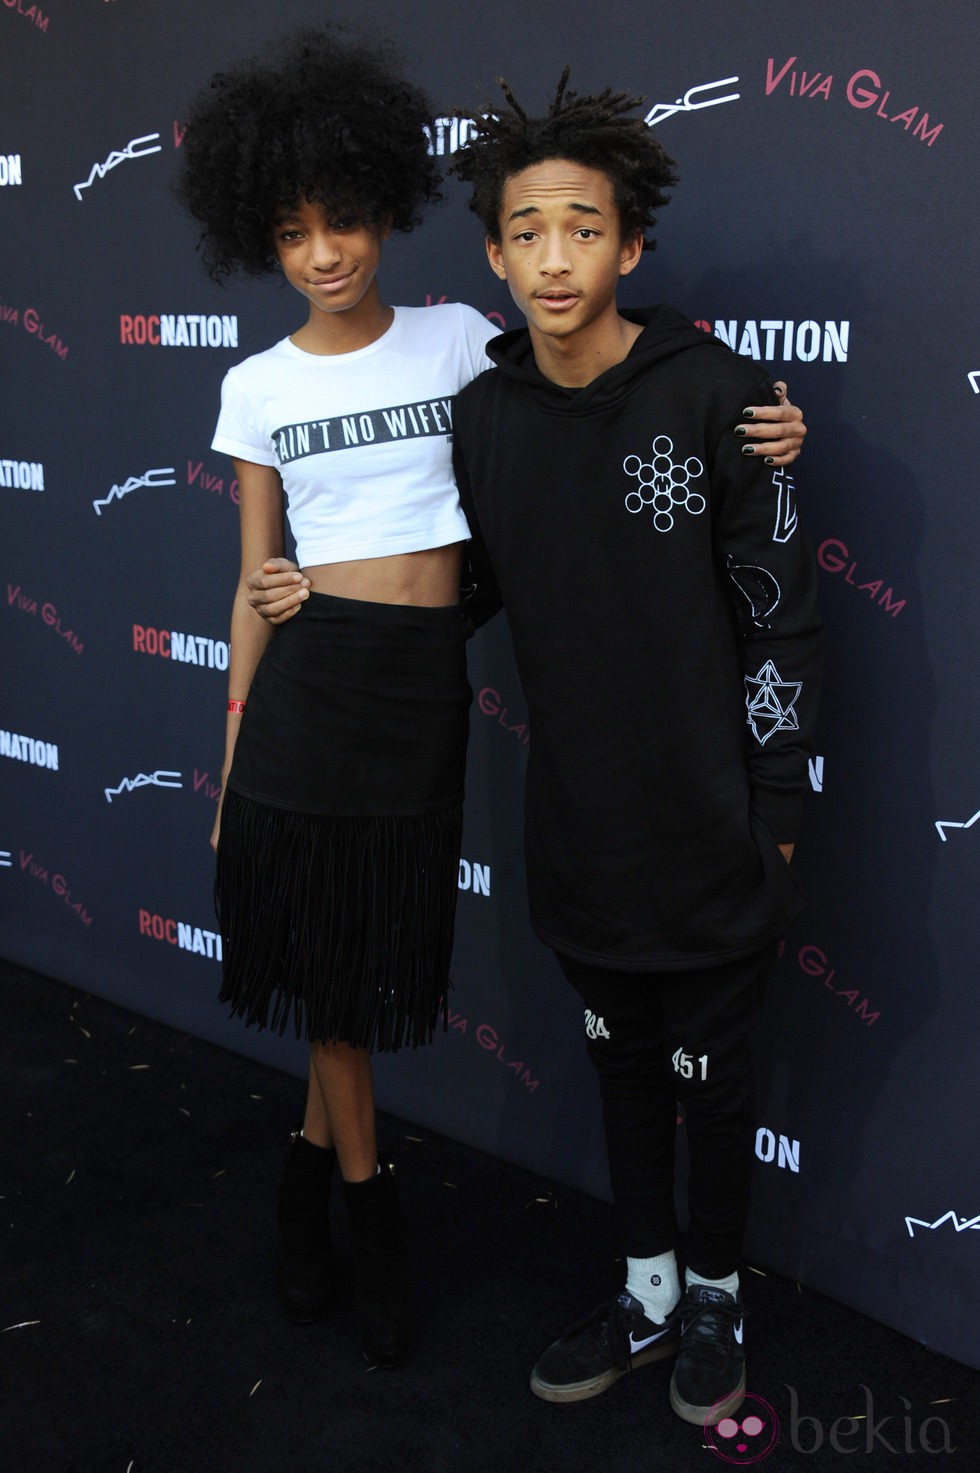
x=180 y=934
x=779 y=1151
x=783 y=340
x=187 y=649
x=446 y=135
x=29 y=749
x=11 y=169
x=474 y=877
x=178 y=330
x=25 y=475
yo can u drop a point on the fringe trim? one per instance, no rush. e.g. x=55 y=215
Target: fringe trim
x=345 y=923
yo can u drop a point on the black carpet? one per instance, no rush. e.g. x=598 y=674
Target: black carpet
x=139 y=1331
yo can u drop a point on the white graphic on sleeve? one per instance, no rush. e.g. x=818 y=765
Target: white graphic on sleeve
x=770 y=702
x=786 y=517
x=759 y=588
x=664 y=484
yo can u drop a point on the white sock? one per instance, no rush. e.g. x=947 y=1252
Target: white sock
x=654 y=1282
x=730 y=1285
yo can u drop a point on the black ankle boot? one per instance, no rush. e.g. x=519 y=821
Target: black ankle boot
x=304 y=1230
x=380 y=1267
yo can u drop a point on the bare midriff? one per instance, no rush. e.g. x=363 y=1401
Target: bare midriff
x=429 y=578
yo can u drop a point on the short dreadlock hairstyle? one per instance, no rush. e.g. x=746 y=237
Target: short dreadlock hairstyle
x=595 y=132
x=325 y=119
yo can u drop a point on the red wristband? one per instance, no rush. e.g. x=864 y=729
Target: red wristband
x=237 y=707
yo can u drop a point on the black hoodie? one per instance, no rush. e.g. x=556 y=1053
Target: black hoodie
x=662 y=602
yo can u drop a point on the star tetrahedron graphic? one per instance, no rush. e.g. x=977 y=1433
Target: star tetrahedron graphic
x=770 y=702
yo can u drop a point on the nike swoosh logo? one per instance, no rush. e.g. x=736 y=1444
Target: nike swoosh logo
x=738 y=1332
x=636 y=1345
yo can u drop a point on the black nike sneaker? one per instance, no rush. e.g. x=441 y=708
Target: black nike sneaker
x=599 y=1348
x=709 y=1378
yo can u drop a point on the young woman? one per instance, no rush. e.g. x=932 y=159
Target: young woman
x=337 y=861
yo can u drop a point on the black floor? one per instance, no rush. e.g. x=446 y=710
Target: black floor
x=139 y=1333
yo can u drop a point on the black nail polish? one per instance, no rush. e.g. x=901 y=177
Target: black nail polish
x=748 y=414
x=741 y=430
x=748 y=449
x=770 y=460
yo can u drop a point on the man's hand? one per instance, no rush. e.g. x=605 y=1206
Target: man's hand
x=777 y=429
x=277 y=590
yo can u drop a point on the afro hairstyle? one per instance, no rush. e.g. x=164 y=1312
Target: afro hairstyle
x=596 y=132
x=323 y=118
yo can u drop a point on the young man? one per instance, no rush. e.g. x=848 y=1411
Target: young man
x=649 y=567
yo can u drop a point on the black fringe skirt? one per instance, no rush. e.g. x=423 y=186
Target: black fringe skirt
x=338 y=860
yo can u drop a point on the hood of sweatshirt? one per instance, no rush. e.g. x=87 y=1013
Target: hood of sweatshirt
x=666 y=332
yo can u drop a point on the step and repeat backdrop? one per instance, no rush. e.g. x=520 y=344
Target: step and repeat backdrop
x=824 y=226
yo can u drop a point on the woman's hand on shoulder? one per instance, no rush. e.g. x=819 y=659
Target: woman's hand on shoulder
x=777 y=429
x=277 y=590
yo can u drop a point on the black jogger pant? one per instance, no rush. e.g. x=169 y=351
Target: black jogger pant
x=656 y=1039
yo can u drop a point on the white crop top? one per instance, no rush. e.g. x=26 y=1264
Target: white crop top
x=362 y=440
